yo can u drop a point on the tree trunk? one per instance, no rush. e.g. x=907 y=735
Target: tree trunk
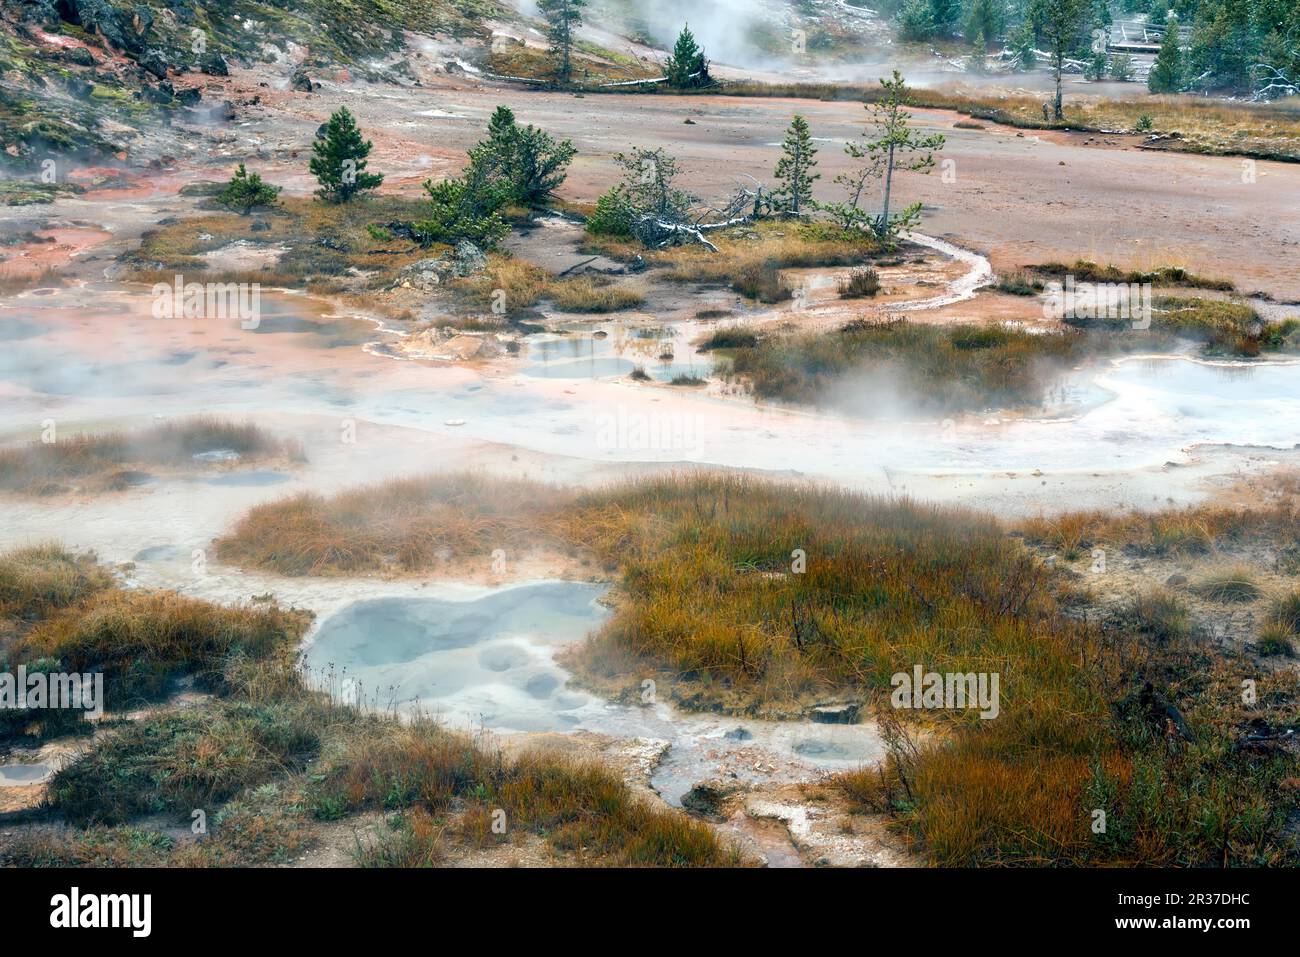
x=794 y=183
x=566 y=66
x=1057 y=112
x=889 y=181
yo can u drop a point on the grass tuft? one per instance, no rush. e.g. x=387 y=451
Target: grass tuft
x=860 y=283
x=936 y=368
x=44 y=468
x=1228 y=586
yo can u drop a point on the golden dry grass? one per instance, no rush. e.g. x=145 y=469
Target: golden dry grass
x=1191 y=124
x=708 y=593
x=1193 y=530
x=582 y=809
x=268 y=750
x=406 y=524
x=747 y=250
x=39 y=579
x=524 y=285
x=299 y=224
x=886 y=583
x=142 y=640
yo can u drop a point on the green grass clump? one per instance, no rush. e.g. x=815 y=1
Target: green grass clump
x=1085 y=271
x=1225 y=328
x=1190 y=531
x=1285 y=611
x=184 y=760
x=30 y=192
x=761 y=281
x=61 y=613
x=323 y=240
x=585 y=294
x=412 y=839
x=860 y=283
x=91 y=847
x=143 y=641
x=1020 y=282
x=1274 y=640
x=754 y=253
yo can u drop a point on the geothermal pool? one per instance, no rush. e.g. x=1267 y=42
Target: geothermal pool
x=96 y=353
x=93 y=356
x=489 y=663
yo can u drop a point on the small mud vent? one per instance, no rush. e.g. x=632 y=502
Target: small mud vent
x=835 y=713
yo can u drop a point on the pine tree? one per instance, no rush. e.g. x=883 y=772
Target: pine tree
x=945 y=14
x=494 y=157
x=687 y=67
x=1061 y=25
x=1022 y=45
x=501 y=125
x=539 y=165
x=246 y=191
x=528 y=162
x=794 y=171
x=1166 y=74
x=646 y=204
x=1121 y=68
x=915 y=20
x=892 y=145
x=649 y=183
x=462 y=210
x=339 y=163
x=564 y=18
x=984 y=21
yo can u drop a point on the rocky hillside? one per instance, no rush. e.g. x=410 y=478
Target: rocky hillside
x=87 y=77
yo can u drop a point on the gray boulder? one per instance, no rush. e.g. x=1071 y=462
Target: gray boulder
x=155 y=62
x=469 y=258
x=708 y=798
x=121 y=28
x=214 y=64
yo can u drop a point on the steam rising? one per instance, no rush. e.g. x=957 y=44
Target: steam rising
x=730 y=31
x=737 y=32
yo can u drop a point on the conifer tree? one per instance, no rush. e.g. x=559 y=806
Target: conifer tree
x=564 y=18
x=891 y=145
x=794 y=170
x=1061 y=25
x=1166 y=74
x=687 y=66
x=339 y=163
x=528 y=161
x=246 y=191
